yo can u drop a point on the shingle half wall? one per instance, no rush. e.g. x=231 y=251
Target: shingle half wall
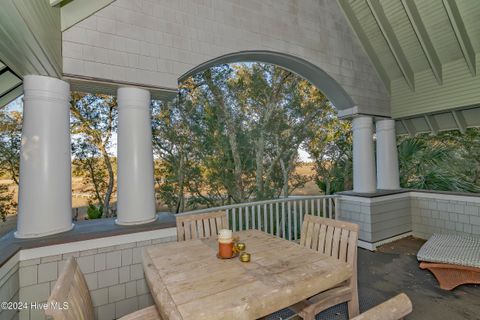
x=383 y=219
x=114 y=273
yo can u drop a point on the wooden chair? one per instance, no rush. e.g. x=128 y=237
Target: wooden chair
x=393 y=309
x=200 y=226
x=337 y=239
x=71 y=289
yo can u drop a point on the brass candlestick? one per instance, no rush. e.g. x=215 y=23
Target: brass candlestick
x=245 y=257
x=240 y=246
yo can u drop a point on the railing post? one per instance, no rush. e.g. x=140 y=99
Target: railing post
x=336 y=212
x=240 y=219
x=265 y=221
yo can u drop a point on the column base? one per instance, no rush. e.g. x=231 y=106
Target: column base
x=132 y=223
x=37 y=235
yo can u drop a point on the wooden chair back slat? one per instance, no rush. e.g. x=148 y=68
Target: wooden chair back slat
x=336 y=242
x=71 y=288
x=206 y=225
x=352 y=248
x=213 y=226
x=304 y=230
x=321 y=238
x=200 y=226
x=335 y=238
x=201 y=231
x=328 y=240
x=342 y=256
x=187 y=234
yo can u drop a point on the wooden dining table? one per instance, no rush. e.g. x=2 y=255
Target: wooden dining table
x=188 y=281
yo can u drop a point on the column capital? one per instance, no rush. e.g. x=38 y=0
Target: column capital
x=385 y=124
x=45 y=88
x=133 y=98
x=362 y=122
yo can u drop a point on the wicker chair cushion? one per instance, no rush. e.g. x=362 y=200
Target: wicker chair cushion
x=451 y=249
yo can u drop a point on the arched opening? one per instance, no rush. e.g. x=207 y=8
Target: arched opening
x=319 y=78
x=257 y=111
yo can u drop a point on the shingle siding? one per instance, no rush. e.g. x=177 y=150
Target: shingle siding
x=114 y=277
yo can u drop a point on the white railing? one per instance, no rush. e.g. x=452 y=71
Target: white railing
x=281 y=217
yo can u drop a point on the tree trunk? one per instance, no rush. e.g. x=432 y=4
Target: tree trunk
x=108 y=193
x=181 y=184
x=260 y=150
x=285 y=178
x=94 y=181
x=227 y=118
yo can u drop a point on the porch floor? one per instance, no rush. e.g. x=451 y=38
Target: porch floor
x=392 y=269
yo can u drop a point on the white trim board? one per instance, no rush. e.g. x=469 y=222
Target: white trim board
x=444 y=196
x=9 y=264
x=76 y=246
x=375 y=199
x=436 y=196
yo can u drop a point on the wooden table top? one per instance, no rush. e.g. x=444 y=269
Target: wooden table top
x=188 y=281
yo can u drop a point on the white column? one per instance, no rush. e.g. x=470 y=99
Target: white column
x=363 y=155
x=135 y=181
x=45 y=186
x=387 y=156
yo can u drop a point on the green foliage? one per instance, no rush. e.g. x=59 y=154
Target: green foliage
x=233 y=135
x=331 y=150
x=446 y=162
x=7 y=202
x=93 y=121
x=94 y=212
x=10 y=140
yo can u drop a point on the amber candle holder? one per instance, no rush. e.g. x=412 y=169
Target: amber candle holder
x=245 y=257
x=225 y=250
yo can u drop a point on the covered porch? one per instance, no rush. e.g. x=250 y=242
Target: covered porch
x=387 y=68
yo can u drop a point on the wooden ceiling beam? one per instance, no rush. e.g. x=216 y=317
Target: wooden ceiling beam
x=461 y=33
x=392 y=42
x=423 y=38
x=362 y=36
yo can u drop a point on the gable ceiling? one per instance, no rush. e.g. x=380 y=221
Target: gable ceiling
x=410 y=36
x=426 y=53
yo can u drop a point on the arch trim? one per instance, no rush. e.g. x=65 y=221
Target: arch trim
x=305 y=69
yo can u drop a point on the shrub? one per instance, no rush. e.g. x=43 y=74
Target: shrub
x=94 y=212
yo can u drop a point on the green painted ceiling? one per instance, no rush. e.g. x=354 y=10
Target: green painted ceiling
x=421 y=49
x=433 y=15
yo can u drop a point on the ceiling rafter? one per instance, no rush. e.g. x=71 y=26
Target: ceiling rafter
x=460 y=121
x=392 y=42
x=432 y=124
x=362 y=36
x=461 y=33
x=407 y=124
x=423 y=38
